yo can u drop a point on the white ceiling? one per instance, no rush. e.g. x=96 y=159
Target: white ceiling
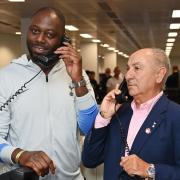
x=126 y=25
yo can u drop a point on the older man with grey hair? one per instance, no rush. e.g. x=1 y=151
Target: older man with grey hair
x=140 y=138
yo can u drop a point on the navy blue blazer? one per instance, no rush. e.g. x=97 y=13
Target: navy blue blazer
x=161 y=146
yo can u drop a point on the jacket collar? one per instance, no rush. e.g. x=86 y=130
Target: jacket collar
x=24 y=61
x=154 y=119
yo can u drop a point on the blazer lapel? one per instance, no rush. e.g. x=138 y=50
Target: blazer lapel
x=150 y=125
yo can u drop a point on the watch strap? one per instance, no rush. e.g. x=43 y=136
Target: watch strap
x=81 y=83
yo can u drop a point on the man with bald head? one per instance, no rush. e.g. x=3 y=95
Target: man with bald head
x=46 y=99
x=139 y=139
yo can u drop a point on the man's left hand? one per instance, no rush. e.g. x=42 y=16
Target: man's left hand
x=133 y=165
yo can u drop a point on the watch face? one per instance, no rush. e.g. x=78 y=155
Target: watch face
x=151 y=171
x=78 y=84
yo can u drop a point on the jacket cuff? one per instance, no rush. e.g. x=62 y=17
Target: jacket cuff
x=86 y=101
x=6 y=153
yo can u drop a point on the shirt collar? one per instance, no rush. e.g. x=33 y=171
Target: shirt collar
x=148 y=104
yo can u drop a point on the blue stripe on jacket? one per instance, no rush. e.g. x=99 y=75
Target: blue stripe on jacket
x=1 y=147
x=86 y=118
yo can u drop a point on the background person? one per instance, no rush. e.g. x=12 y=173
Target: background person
x=173 y=80
x=102 y=85
x=116 y=79
x=141 y=139
x=173 y=85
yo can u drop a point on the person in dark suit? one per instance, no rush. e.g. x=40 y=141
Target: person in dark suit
x=138 y=139
x=173 y=80
x=173 y=85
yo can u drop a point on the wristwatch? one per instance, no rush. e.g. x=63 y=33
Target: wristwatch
x=81 y=83
x=151 y=171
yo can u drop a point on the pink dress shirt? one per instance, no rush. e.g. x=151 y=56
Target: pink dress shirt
x=137 y=119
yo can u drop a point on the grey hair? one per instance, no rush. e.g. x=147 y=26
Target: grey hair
x=162 y=60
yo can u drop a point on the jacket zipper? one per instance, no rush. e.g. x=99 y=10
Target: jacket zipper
x=46 y=78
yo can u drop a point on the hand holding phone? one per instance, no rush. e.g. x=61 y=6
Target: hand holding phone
x=124 y=95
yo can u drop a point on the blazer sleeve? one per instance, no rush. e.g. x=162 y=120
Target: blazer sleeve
x=94 y=146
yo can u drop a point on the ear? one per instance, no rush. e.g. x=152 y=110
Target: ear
x=161 y=74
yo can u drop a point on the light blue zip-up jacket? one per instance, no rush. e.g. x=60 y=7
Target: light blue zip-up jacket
x=44 y=116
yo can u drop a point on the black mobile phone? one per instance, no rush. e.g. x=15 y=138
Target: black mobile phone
x=51 y=59
x=124 y=96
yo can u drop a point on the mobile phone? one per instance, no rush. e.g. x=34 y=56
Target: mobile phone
x=124 y=95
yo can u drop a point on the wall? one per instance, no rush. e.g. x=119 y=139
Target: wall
x=110 y=60
x=122 y=63
x=89 y=58
x=10 y=47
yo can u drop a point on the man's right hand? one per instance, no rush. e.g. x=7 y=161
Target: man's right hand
x=38 y=161
x=108 y=104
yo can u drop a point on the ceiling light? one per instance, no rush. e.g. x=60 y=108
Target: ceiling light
x=168 y=48
x=116 y=50
x=171 y=40
x=86 y=35
x=104 y=45
x=96 y=41
x=126 y=56
x=18 y=33
x=120 y=53
x=71 y=28
x=172 y=34
x=176 y=14
x=168 y=53
x=16 y=0
x=174 y=26
x=169 y=44
x=111 y=48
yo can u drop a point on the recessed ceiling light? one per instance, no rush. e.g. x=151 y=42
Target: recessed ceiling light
x=168 y=48
x=71 y=28
x=86 y=35
x=96 y=40
x=169 y=44
x=116 y=51
x=126 y=56
x=176 y=14
x=172 y=34
x=111 y=48
x=171 y=40
x=120 y=53
x=105 y=45
x=18 y=33
x=16 y=0
x=168 y=53
x=174 y=26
